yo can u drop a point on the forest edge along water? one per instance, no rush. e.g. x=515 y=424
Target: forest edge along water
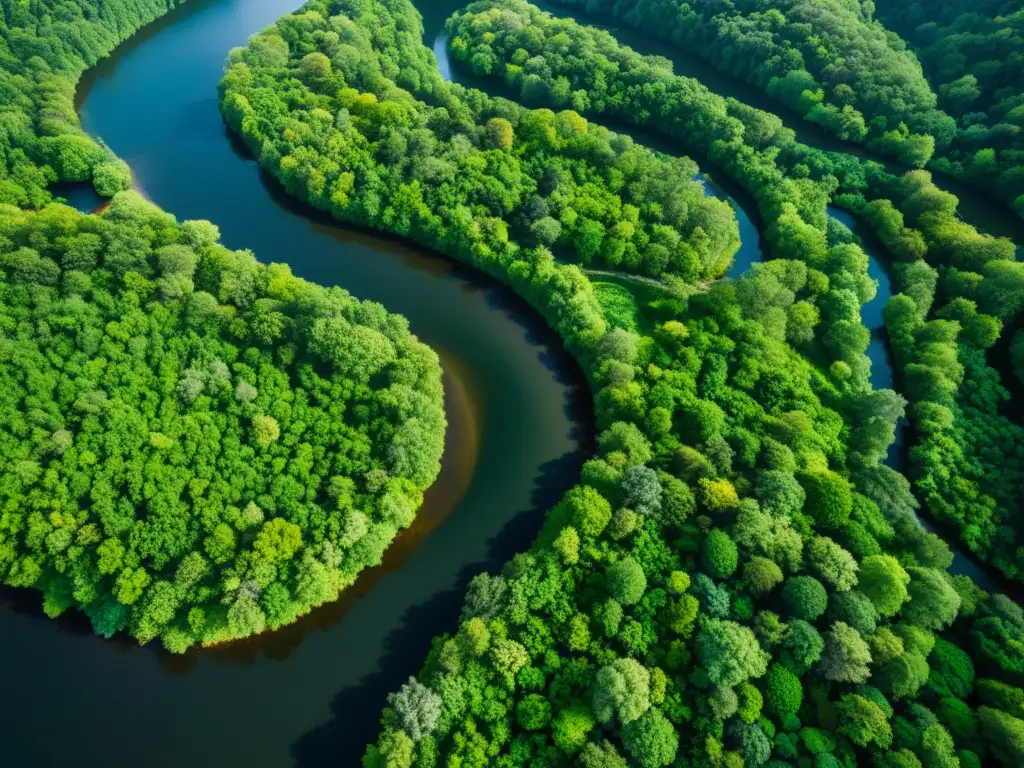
x=986 y=214
x=519 y=430
x=751 y=251
x=311 y=696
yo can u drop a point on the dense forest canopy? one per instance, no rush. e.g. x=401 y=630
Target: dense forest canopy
x=970 y=455
x=463 y=171
x=737 y=579
x=197 y=446
x=837 y=65
x=826 y=59
x=544 y=58
x=200 y=447
x=956 y=300
x=974 y=56
x=45 y=45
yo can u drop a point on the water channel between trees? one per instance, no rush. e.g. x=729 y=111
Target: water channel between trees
x=751 y=250
x=519 y=430
x=518 y=409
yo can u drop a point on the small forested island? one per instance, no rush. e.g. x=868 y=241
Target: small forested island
x=798 y=542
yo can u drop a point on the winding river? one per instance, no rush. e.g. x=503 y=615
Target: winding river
x=882 y=377
x=311 y=694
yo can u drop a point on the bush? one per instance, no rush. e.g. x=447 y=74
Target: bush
x=651 y=740
x=761 y=576
x=533 y=712
x=783 y=692
x=829 y=498
x=626 y=581
x=112 y=177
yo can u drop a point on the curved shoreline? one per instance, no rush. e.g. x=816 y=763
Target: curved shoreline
x=750 y=249
x=965 y=562
x=462 y=409
x=530 y=430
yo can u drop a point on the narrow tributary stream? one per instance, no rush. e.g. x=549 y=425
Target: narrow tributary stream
x=751 y=250
x=309 y=695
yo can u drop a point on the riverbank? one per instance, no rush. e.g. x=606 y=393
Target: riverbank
x=883 y=373
x=307 y=693
x=462 y=404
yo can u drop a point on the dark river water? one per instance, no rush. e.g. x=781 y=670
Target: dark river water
x=311 y=694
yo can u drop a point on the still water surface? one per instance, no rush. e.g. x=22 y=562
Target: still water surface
x=310 y=694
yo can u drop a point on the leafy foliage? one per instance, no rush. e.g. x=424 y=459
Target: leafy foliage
x=45 y=46
x=971 y=56
x=196 y=450
x=827 y=60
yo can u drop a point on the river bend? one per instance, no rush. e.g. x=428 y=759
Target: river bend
x=310 y=694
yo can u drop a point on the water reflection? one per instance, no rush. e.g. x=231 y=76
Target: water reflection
x=256 y=701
